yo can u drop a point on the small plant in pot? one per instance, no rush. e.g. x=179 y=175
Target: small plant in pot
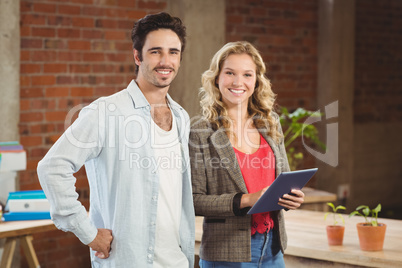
x=335 y=232
x=371 y=233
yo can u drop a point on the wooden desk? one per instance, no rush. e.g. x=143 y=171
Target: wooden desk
x=23 y=231
x=307 y=239
x=308 y=245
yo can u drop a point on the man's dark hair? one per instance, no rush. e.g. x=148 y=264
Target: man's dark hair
x=155 y=22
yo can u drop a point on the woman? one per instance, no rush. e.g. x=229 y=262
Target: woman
x=236 y=152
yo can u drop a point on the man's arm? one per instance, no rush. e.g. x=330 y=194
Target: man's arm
x=56 y=173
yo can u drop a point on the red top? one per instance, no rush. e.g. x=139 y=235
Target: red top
x=258 y=170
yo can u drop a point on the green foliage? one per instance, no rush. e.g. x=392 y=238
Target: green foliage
x=367 y=212
x=294 y=127
x=335 y=212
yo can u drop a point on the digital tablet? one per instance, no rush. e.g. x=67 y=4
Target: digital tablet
x=283 y=184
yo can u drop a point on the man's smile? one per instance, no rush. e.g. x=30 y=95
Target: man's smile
x=164 y=71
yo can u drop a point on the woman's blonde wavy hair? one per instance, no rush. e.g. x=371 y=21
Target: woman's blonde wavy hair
x=260 y=104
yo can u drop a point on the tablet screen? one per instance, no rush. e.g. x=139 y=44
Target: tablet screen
x=283 y=184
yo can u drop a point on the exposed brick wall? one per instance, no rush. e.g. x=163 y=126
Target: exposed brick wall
x=285 y=32
x=378 y=80
x=72 y=52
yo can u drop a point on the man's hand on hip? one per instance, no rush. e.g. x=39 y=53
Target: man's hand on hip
x=102 y=243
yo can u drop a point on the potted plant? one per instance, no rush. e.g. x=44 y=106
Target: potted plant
x=371 y=233
x=294 y=128
x=335 y=232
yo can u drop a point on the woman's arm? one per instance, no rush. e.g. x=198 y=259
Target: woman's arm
x=248 y=200
x=206 y=203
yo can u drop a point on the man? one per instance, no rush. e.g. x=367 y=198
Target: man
x=134 y=147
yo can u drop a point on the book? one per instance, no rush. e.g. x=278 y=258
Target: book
x=26 y=216
x=32 y=194
x=7 y=148
x=8 y=143
x=13 y=160
x=27 y=205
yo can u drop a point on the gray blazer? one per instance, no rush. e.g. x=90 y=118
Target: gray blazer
x=216 y=179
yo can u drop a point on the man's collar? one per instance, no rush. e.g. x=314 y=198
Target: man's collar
x=139 y=99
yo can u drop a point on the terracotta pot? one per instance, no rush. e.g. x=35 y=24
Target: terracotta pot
x=335 y=234
x=371 y=238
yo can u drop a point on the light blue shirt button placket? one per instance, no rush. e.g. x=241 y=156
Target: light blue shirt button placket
x=150 y=259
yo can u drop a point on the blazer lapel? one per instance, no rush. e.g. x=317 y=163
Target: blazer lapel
x=275 y=150
x=224 y=148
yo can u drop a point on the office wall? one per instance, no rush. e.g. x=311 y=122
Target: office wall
x=9 y=68
x=378 y=106
x=9 y=89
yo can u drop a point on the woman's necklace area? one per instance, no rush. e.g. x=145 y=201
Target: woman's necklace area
x=245 y=139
